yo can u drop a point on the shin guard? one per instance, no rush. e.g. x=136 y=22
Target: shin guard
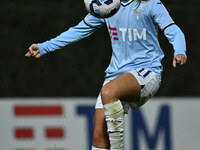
x=114 y=113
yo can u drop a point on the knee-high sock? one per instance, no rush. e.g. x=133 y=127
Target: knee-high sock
x=114 y=113
x=95 y=148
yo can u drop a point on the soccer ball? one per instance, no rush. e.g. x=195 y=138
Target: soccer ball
x=102 y=8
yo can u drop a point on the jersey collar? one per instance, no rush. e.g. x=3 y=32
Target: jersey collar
x=126 y=2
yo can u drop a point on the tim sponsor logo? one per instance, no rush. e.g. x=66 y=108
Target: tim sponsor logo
x=23 y=133
x=127 y=34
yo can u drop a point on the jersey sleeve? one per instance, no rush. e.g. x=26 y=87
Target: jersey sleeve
x=176 y=38
x=171 y=30
x=93 y=22
x=160 y=14
x=85 y=28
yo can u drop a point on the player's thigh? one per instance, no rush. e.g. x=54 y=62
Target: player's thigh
x=100 y=139
x=124 y=87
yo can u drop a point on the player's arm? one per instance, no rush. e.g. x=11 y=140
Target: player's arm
x=177 y=39
x=85 y=28
x=171 y=31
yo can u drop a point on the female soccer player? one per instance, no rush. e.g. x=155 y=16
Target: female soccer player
x=134 y=73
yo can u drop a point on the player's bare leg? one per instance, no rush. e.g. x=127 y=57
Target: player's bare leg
x=124 y=87
x=100 y=138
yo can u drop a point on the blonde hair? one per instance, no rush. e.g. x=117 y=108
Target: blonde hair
x=139 y=2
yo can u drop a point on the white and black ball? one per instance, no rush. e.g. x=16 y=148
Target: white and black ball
x=102 y=8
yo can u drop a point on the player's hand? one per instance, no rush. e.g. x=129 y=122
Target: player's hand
x=33 y=51
x=179 y=59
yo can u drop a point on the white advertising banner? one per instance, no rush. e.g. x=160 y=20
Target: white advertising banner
x=67 y=124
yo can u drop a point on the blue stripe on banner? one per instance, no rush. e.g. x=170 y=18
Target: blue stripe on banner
x=141 y=70
x=146 y=74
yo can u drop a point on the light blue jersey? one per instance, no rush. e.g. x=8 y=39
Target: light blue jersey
x=134 y=36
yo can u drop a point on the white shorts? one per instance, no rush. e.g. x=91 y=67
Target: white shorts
x=149 y=82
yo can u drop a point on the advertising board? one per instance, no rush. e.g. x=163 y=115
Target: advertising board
x=67 y=124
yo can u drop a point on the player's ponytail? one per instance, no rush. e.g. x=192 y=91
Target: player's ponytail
x=140 y=1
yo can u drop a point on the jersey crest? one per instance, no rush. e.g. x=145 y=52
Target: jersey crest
x=137 y=13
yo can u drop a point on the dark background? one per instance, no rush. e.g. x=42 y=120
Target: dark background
x=78 y=70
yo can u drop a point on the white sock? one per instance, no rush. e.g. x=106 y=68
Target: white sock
x=95 y=148
x=114 y=113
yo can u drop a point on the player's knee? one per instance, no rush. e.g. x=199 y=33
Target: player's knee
x=108 y=95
